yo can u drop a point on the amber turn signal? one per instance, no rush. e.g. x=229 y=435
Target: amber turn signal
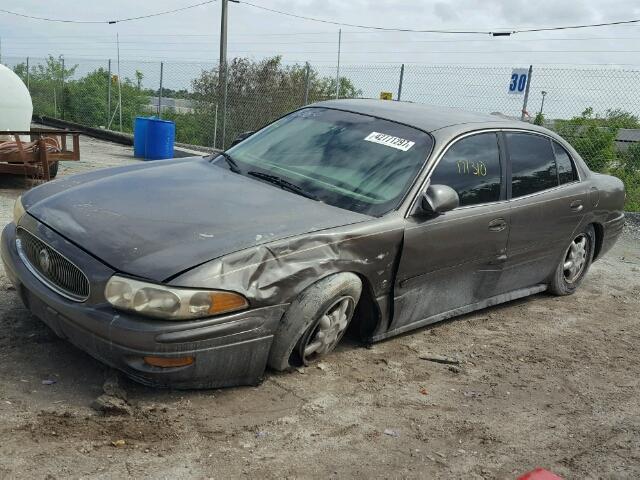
x=226 y=302
x=168 y=362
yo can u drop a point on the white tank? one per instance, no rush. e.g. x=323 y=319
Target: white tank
x=15 y=102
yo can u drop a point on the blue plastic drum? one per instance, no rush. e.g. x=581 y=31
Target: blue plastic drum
x=140 y=136
x=161 y=136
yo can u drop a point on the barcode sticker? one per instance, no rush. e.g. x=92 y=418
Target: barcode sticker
x=390 y=141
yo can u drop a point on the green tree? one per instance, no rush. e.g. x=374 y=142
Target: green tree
x=55 y=93
x=46 y=85
x=539 y=119
x=631 y=159
x=139 y=77
x=617 y=118
x=88 y=100
x=594 y=137
x=258 y=92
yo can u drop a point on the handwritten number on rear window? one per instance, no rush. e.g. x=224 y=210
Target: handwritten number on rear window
x=472 y=168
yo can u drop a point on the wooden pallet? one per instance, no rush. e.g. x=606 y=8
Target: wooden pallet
x=34 y=159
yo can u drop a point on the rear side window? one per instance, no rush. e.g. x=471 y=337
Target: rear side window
x=533 y=164
x=472 y=168
x=566 y=169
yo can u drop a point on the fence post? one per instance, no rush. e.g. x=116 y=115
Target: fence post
x=400 y=83
x=526 y=94
x=28 y=74
x=109 y=96
x=160 y=91
x=306 y=83
x=62 y=91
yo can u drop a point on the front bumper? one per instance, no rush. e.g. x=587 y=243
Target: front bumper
x=228 y=351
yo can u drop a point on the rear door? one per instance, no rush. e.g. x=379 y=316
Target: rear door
x=456 y=259
x=547 y=204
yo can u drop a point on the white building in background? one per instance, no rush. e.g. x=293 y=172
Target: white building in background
x=174 y=105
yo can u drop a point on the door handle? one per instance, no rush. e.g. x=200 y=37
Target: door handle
x=497 y=224
x=576 y=205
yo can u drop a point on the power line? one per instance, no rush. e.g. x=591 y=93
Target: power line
x=496 y=31
x=307 y=42
x=574 y=27
x=370 y=27
x=61 y=20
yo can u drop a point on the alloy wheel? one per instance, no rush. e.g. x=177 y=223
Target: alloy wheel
x=324 y=334
x=576 y=258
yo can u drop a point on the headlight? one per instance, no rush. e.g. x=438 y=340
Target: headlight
x=170 y=303
x=18 y=210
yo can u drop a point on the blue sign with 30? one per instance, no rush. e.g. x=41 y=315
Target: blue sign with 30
x=518 y=80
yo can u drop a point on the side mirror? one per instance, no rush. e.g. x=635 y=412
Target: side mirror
x=439 y=199
x=242 y=136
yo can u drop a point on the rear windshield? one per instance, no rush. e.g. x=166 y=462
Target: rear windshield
x=352 y=161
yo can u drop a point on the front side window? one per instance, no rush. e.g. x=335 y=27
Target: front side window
x=533 y=164
x=349 y=160
x=472 y=168
x=566 y=169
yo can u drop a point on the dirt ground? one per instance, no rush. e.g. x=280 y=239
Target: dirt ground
x=544 y=381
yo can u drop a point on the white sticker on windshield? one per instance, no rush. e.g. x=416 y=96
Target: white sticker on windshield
x=390 y=141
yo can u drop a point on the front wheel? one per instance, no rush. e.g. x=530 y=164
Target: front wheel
x=316 y=321
x=574 y=264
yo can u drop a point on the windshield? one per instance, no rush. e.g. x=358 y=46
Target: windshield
x=352 y=161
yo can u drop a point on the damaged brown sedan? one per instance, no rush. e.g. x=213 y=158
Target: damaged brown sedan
x=377 y=217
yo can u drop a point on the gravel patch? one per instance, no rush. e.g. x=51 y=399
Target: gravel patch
x=632 y=224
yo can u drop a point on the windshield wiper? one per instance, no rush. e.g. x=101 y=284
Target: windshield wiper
x=233 y=166
x=282 y=183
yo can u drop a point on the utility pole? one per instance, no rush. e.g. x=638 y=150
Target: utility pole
x=222 y=76
x=109 y=95
x=119 y=80
x=338 y=69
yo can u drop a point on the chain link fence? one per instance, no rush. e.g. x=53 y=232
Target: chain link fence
x=595 y=109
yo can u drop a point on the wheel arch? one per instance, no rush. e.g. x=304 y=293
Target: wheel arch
x=368 y=314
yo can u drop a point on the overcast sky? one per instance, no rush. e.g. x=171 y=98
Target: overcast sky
x=193 y=34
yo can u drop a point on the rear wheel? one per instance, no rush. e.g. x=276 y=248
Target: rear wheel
x=315 y=322
x=574 y=264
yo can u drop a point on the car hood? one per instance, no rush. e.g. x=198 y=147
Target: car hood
x=159 y=221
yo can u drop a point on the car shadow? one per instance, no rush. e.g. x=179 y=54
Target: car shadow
x=483 y=312
x=50 y=369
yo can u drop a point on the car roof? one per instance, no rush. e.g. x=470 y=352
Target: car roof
x=424 y=117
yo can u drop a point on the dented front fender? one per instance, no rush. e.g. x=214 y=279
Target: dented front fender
x=277 y=272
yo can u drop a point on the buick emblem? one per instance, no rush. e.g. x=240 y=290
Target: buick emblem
x=44 y=259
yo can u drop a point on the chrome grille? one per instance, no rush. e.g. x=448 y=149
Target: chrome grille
x=52 y=268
